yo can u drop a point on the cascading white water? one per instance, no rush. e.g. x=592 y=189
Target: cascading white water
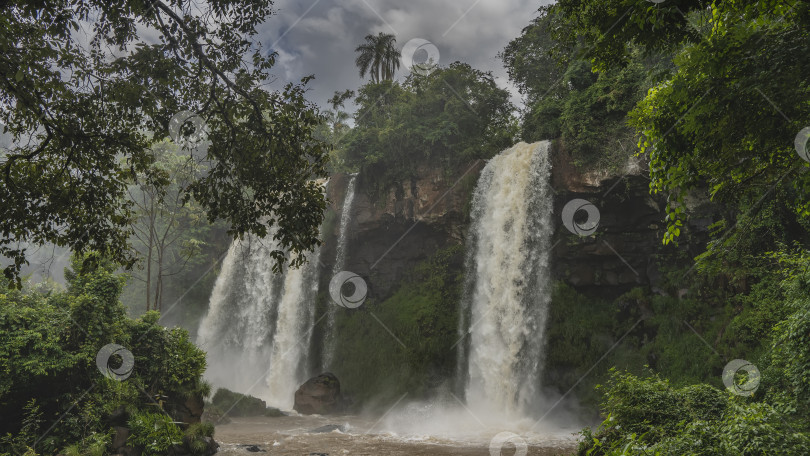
x=507 y=288
x=340 y=263
x=258 y=327
x=345 y=217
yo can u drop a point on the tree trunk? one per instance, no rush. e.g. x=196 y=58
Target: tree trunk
x=149 y=255
x=159 y=285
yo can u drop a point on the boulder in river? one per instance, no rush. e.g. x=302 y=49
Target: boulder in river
x=328 y=428
x=319 y=395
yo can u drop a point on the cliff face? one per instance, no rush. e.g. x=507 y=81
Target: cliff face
x=620 y=254
x=390 y=234
x=626 y=250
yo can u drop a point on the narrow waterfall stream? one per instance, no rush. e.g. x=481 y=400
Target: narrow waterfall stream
x=345 y=217
x=258 y=327
x=506 y=296
x=340 y=262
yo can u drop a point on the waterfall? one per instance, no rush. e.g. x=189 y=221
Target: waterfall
x=258 y=327
x=506 y=295
x=340 y=263
x=345 y=217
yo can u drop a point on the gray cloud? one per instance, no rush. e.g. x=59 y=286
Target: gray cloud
x=319 y=36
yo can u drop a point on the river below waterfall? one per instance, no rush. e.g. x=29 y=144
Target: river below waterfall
x=292 y=435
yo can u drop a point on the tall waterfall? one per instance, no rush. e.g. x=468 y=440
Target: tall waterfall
x=340 y=263
x=506 y=294
x=258 y=327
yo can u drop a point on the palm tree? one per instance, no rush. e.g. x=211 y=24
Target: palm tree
x=378 y=57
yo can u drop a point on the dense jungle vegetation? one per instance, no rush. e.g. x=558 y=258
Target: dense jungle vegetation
x=714 y=95
x=51 y=340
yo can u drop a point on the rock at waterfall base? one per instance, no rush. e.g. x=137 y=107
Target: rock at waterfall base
x=328 y=428
x=319 y=395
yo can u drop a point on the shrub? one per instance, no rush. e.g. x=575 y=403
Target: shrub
x=651 y=407
x=154 y=432
x=95 y=445
x=200 y=430
x=49 y=340
x=195 y=435
x=648 y=416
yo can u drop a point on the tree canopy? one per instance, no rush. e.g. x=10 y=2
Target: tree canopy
x=451 y=116
x=88 y=87
x=565 y=99
x=727 y=113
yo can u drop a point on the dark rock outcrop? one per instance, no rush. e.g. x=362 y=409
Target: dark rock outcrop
x=118 y=417
x=188 y=410
x=626 y=250
x=328 y=428
x=319 y=395
x=393 y=231
x=120 y=437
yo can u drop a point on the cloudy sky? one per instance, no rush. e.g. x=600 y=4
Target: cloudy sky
x=319 y=36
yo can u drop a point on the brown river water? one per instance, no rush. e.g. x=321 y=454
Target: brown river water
x=293 y=435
